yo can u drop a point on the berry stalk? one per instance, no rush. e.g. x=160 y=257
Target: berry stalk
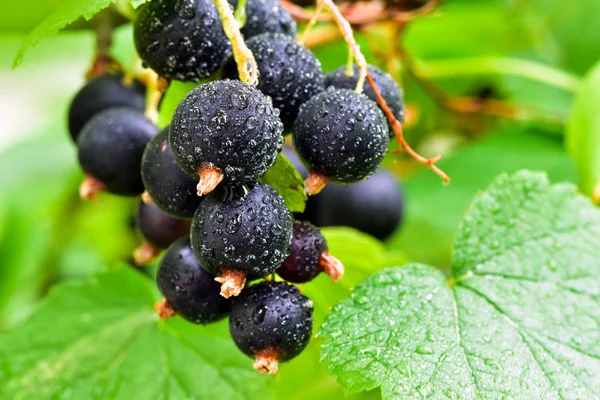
x=354 y=48
x=247 y=68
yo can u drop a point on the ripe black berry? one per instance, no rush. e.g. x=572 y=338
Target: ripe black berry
x=225 y=131
x=188 y=289
x=181 y=40
x=266 y=16
x=341 y=136
x=158 y=230
x=271 y=322
x=386 y=85
x=374 y=206
x=110 y=148
x=168 y=186
x=100 y=94
x=309 y=256
x=241 y=233
x=289 y=73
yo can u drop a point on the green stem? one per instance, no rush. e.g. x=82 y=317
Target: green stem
x=501 y=66
x=240 y=13
x=247 y=68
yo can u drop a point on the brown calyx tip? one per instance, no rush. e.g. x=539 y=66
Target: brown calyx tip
x=232 y=282
x=164 y=309
x=145 y=253
x=315 y=182
x=267 y=362
x=331 y=266
x=146 y=198
x=90 y=187
x=210 y=177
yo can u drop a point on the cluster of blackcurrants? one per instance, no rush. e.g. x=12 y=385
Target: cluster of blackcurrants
x=198 y=178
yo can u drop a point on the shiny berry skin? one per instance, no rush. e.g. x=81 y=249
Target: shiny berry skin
x=289 y=73
x=341 y=135
x=188 y=288
x=181 y=39
x=158 y=228
x=303 y=263
x=271 y=317
x=110 y=149
x=102 y=93
x=386 y=85
x=264 y=16
x=374 y=206
x=228 y=125
x=245 y=229
x=170 y=188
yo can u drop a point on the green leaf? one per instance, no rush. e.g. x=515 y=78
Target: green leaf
x=66 y=13
x=305 y=377
x=173 y=96
x=435 y=210
x=518 y=318
x=583 y=132
x=284 y=177
x=102 y=339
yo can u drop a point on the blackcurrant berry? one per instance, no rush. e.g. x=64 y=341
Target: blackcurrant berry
x=110 y=148
x=386 y=85
x=341 y=136
x=241 y=233
x=374 y=206
x=181 y=40
x=169 y=188
x=158 y=230
x=266 y=16
x=271 y=322
x=309 y=256
x=100 y=94
x=188 y=289
x=225 y=131
x=289 y=73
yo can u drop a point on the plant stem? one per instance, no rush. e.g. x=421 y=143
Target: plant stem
x=498 y=65
x=244 y=58
x=353 y=47
x=240 y=13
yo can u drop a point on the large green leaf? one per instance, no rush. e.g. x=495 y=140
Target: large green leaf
x=434 y=210
x=518 y=318
x=583 y=132
x=102 y=339
x=305 y=377
x=66 y=13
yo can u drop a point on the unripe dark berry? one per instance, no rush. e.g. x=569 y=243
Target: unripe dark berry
x=309 y=256
x=188 y=289
x=168 y=186
x=100 y=94
x=271 y=322
x=341 y=136
x=181 y=40
x=264 y=16
x=158 y=230
x=289 y=73
x=241 y=233
x=225 y=131
x=110 y=149
x=374 y=206
x=386 y=85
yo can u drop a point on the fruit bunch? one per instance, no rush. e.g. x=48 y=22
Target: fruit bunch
x=199 y=176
